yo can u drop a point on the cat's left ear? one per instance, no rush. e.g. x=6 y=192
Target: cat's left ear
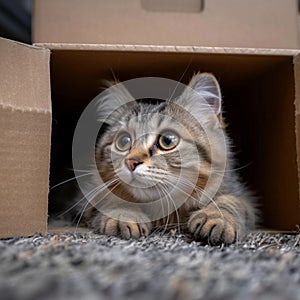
x=207 y=87
x=202 y=96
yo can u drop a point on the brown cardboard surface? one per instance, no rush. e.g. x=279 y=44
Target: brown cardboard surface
x=187 y=6
x=276 y=173
x=299 y=30
x=258 y=89
x=261 y=102
x=25 y=123
x=231 y=23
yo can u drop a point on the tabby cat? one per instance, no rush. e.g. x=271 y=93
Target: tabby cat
x=169 y=153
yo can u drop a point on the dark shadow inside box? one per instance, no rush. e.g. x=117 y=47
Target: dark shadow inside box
x=258 y=103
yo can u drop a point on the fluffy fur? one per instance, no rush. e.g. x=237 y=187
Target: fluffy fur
x=146 y=172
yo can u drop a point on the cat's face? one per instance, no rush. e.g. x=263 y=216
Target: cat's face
x=157 y=148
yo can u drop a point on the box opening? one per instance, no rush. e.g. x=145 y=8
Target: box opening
x=258 y=100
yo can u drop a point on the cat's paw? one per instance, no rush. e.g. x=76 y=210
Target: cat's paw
x=135 y=226
x=214 y=227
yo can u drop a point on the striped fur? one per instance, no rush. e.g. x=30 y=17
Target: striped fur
x=225 y=218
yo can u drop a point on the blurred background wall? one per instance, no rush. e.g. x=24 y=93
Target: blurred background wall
x=15 y=20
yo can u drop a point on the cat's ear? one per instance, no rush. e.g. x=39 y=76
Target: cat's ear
x=207 y=87
x=113 y=102
x=202 y=96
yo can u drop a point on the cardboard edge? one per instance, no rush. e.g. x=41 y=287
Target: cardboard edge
x=29 y=46
x=161 y=48
x=296 y=62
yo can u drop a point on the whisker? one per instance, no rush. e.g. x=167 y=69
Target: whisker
x=83 y=198
x=176 y=211
x=194 y=187
x=159 y=227
x=179 y=81
x=113 y=74
x=81 y=215
x=73 y=206
x=103 y=197
x=231 y=170
x=161 y=201
x=94 y=195
x=68 y=180
x=168 y=214
x=79 y=170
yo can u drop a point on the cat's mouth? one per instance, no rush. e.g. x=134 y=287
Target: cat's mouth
x=144 y=183
x=147 y=190
x=140 y=178
x=148 y=185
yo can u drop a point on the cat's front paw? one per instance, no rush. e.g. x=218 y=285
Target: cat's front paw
x=214 y=226
x=135 y=226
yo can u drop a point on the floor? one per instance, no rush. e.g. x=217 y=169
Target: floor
x=88 y=266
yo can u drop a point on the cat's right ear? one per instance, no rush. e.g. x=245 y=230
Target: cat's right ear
x=113 y=102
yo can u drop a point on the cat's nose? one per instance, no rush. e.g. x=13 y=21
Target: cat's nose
x=132 y=163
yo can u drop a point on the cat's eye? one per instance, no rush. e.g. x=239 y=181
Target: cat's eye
x=123 y=142
x=168 y=140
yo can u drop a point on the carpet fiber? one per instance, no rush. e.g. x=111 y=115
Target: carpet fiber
x=89 y=266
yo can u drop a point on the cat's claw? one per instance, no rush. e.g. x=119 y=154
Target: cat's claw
x=211 y=226
x=126 y=229
x=133 y=230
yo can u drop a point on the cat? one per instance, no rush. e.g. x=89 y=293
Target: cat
x=166 y=152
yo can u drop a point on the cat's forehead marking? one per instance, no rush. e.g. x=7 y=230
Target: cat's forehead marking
x=145 y=127
x=147 y=140
x=146 y=123
x=143 y=123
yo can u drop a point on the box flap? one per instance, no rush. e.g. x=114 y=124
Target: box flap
x=24 y=73
x=25 y=132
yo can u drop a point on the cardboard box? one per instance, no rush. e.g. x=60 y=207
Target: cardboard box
x=214 y=23
x=299 y=29
x=261 y=94
x=25 y=124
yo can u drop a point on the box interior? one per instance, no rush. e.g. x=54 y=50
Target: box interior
x=258 y=101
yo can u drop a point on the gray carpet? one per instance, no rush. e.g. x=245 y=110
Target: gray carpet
x=88 y=266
